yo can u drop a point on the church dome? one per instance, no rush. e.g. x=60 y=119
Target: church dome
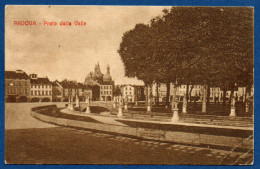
x=94 y=76
x=99 y=75
x=89 y=76
x=107 y=78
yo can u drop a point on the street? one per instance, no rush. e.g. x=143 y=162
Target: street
x=29 y=141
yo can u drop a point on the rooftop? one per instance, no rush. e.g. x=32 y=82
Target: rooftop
x=16 y=75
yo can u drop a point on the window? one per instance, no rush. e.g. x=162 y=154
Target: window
x=130 y=92
x=101 y=92
x=32 y=93
x=110 y=92
x=110 y=87
x=25 y=91
x=49 y=92
x=46 y=93
x=101 y=87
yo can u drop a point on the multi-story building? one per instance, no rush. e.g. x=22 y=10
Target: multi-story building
x=41 y=89
x=216 y=94
x=17 y=86
x=105 y=83
x=133 y=93
x=57 y=92
x=106 y=91
x=63 y=90
x=128 y=91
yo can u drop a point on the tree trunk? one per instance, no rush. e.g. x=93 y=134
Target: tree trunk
x=187 y=94
x=136 y=96
x=224 y=95
x=204 y=102
x=168 y=94
x=146 y=95
x=208 y=94
x=231 y=94
x=157 y=94
x=187 y=91
x=192 y=86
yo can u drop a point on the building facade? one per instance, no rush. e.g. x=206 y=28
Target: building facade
x=41 y=89
x=64 y=89
x=196 y=91
x=104 y=82
x=128 y=91
x=17 y=86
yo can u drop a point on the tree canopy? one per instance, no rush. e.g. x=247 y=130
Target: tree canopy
x=192 y=44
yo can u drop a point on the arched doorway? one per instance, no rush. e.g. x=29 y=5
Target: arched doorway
x=103 y=98
x=10 y=99
x=164 y=99
x=23 y=99
x=46 y=100
x=35 y=99
x=109 y=98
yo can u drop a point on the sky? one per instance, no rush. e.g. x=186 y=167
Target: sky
x=71 y=52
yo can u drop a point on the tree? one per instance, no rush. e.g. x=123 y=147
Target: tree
x=192 y=45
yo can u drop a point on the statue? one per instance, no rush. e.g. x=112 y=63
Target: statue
x=184 y=106
x=126 y=100
x=233 y=107
x=88 y=105
x=233 y=102
x=120 y=103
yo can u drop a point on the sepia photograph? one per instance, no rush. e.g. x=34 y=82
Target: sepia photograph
x=129 y=85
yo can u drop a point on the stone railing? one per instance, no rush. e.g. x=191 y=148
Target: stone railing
x=192 y=134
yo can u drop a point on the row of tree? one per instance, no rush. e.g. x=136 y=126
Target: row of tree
x=210 y=46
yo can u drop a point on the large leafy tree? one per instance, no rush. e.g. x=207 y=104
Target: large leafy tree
x=197 y=45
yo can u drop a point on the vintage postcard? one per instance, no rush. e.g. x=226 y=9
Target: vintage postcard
x=163 y=85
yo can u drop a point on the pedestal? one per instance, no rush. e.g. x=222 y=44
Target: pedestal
x=77 y=103
x=184 y=110
x=175 y=117
x=232 y=112
x=120 y=112
x=247 y=107
x=88 y=110
x=204 y=108
x=126 y=108
x=71 y=108
x=149 y=108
